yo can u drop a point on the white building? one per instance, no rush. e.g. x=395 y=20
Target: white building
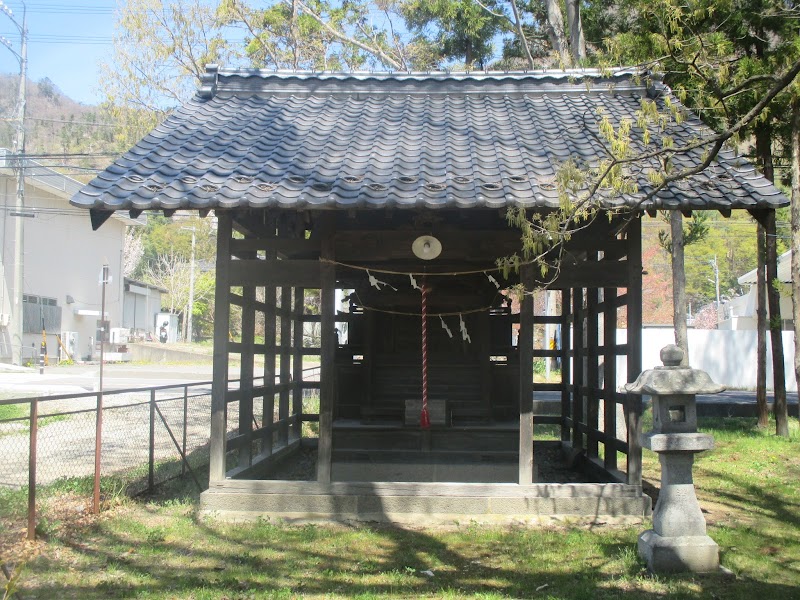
x=740 y=313
x=62 y=261
x=141 y=307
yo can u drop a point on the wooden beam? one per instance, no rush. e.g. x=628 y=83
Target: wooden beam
x=382 y=245
x=286 y=367
x=254 y=224
x=327 y=287
x=282 y=247
x=578 y=366
x=592 y=274
x=295 y=273
x=486 y=366
x=237 y=300
x=566 y=373
x=297 y=360
x=592 y=370
x=219 y=386
x=270 y=351
x=246 y=372
x=634 y=402
x=525 y=343
x=369 y=360
x=609 y=375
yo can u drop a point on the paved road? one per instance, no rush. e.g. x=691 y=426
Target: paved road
x=83 y=378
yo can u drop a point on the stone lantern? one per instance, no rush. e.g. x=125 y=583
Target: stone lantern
x=678 y=540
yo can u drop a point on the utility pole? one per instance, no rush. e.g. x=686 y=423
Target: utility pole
x=716 y=282
x=19 y=207
x=191 y=288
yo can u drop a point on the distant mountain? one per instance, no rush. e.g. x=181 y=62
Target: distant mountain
x=57 y=127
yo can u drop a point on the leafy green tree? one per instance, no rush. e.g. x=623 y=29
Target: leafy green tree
x=737 y=65
x=164 y=235
x=459 y=29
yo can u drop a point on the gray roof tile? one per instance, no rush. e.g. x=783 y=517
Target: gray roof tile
x=262 y=139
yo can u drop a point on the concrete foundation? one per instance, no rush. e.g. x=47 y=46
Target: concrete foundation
x=424 y=504
x=698 y=554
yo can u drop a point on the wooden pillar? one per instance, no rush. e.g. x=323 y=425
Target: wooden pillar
x=286 y=367
x=592 y=372
x=270 y=335
x=566 y=371
x=578 y=354
x=775 y=327
x=219 y=387
x=484 y=333
x=327 y=352
x=246 y=371
x=633 y=402
x=296 y=431
x=610 y=377
x=525 y=346
x=369 y=362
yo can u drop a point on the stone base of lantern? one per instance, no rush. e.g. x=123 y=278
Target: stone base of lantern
x=698 y=554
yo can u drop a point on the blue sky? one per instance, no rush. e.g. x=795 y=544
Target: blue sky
x=67 y=41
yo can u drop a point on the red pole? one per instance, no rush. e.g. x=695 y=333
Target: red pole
x=34 y=427
x=424 y=418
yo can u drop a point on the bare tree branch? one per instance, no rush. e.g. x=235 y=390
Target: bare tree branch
x=375 y=51
x=521 y=33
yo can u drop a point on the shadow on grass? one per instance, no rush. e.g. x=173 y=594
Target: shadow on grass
x=160 y=548
x=364 y=561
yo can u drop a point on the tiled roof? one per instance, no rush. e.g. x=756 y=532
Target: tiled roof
x=262 y=139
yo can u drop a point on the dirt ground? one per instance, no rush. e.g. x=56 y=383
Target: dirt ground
x=66 y=436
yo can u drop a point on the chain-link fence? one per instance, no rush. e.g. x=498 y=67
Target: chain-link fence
x=148 y=435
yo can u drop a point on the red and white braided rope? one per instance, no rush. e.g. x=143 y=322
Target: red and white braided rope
x=424 y=418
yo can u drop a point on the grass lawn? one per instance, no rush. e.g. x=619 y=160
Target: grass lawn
x=158 y=548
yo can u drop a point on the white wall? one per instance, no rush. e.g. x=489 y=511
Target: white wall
x=62 y=257
x=729 y=357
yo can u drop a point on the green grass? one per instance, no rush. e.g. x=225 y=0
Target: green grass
x=14 y=411
x=160 y=548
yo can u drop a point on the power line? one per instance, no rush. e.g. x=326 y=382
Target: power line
x=57 y=8
x=43 y=38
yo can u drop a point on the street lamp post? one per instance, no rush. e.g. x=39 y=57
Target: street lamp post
x=19 y=151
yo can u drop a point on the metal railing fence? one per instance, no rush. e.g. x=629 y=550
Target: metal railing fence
x=149 y=436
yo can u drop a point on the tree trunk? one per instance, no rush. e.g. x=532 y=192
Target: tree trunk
x=555 y=30
x=773 y=301
x=761 y=328
x=577 y=44
x=523 y=43
x=295 y=37
x=763 y=136
x=795 y=243
x=678 y=285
